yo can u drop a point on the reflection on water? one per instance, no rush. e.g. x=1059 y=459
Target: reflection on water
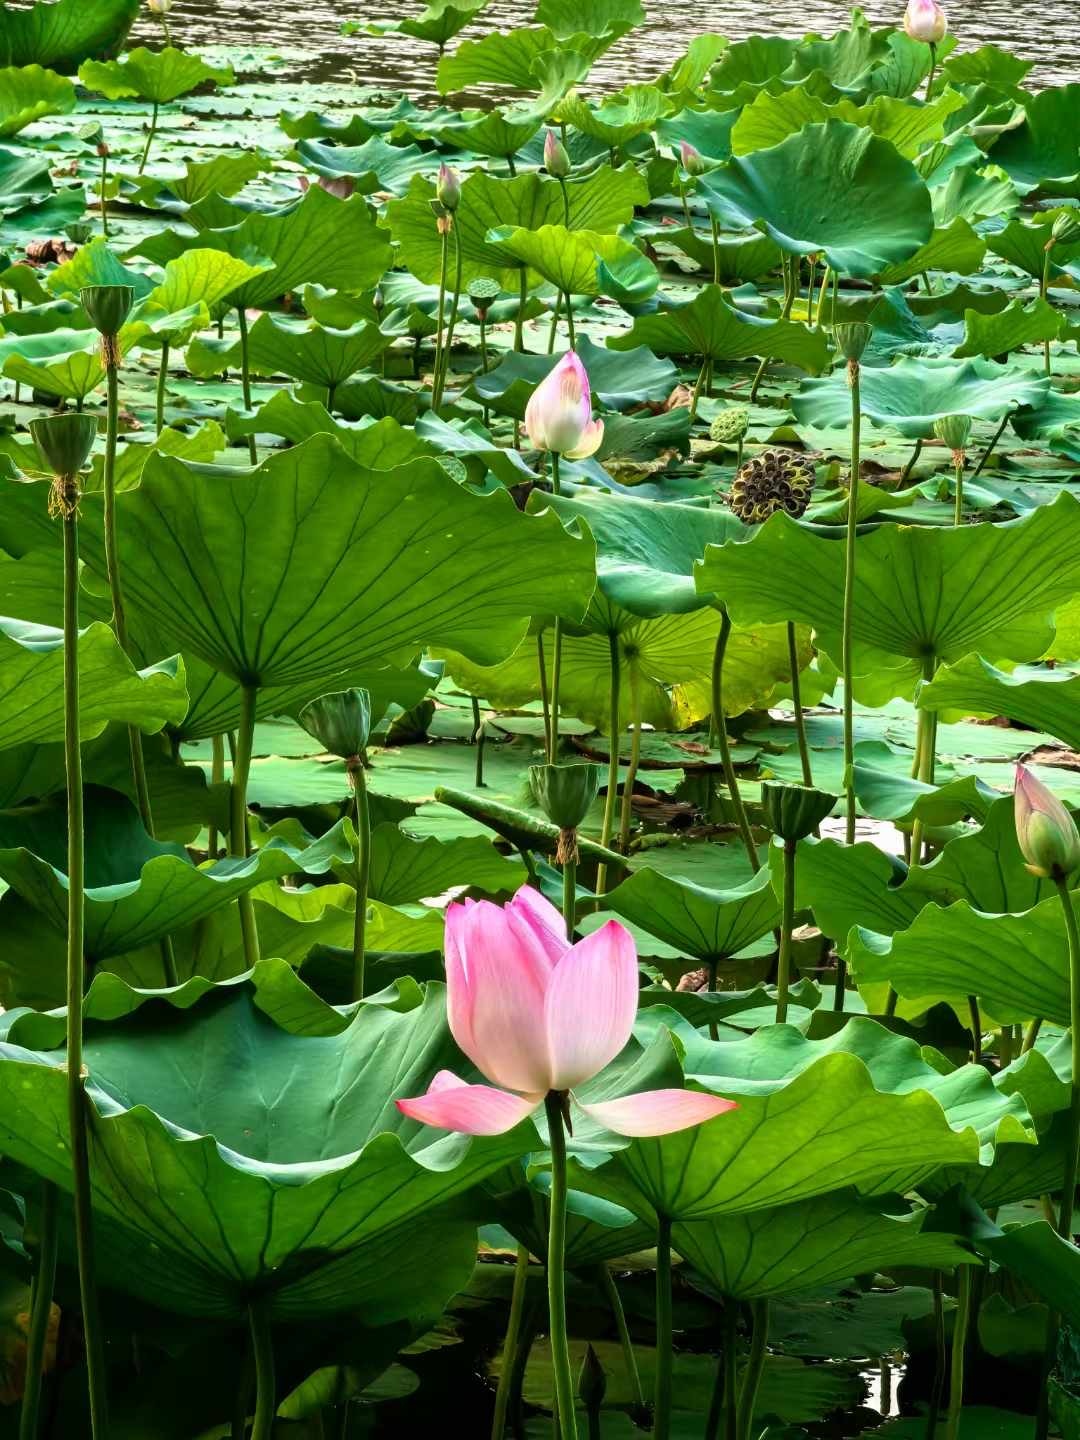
x=399 y=63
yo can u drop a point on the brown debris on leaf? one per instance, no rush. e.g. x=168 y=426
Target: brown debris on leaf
x=50 y=252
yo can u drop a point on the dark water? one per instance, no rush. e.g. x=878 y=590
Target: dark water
x=1047 y=33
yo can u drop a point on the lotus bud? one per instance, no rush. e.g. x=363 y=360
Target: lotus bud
x=795 y=811
x=448 y=188
x=64 y=443
x=159 y=7
x=559 y=413
x=565 y=793
x=1045 y=831
x=108 y=307
x=924 y=20
x=592 y=1382
x=556 y=156
x=955 y=430
x=691 y=158
x=341 y=722
x=378 y=300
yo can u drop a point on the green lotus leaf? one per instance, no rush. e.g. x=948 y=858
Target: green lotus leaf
x=484 y=132
x=770 y=1253
x=689 y=73
x=404 y=870
x=379 y=445
x=62 y=33
x=519 y=59
x=790 y=1138
x=708 y=925
x=617 y=118
x=156 y=75
x=312 y=523
x=566 y=18
x=740 y=257
x=554 y=74
x=834 y=189
x=1044 y=699
x=312 y=352
x=850 y=885
x=1010 y=329
x=25 y=179
x=439 y=22
x=96 y=264
x=374 y=165
x=911 y=395
x=65 y=363
x=886 y=795
x=472 y=446
x=1042 y=1258
x=1040 y=153
x=32 y=685
x=222 y=175
x=602 y=202
x=1024 y=245
x=988 y=65
x=202 y=277
x=956 y=248
x=709 y=131
x=203 y=1199
x=618 y=380
x=973 y=194
x=28 y=92
x=571 y=259
x=984 y=867
x=596 y=1230
x=772 y=118
x=709 y=325
x=137 y=889
x=752 y=61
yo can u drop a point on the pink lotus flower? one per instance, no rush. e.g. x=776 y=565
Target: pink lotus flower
x=448 y=187
x=691 y=158
x=536 y=1014
x=556 y=156
x=1045 y=831
x=559 y=414
x=924 y=20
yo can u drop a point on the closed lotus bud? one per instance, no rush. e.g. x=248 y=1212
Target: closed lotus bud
x=795 y=811
x=558 y=416
x=955 y=430
x=448 y=188
x=556 y=156
x=1045 y=831
x=108 y=306
x=160 y=7
x=592 y=1382
x=341 y=722
x=852 y=338
x=924 y=20
x=691 y=158
x=64 y=441
x=565 y=793
x=378 y=300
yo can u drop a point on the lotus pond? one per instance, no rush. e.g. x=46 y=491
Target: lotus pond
x=539 y=693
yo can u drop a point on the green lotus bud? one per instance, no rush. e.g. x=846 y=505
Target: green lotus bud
x=592 y=1382
x=795 y=811
x=955 y=430
x=852 y=338
x=341 y=722
x=1045 y=831
x=565 y=792
x=108 y=306
x=64 y=441
x=730 y=426
x=774 y=480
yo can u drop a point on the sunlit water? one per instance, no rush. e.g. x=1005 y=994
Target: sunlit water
x=1048 y=33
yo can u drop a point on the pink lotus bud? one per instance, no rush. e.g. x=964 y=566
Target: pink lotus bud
x=448 y=188
x=1045 y=831
x=159 y=7
x=559 y=414
x=556 y=156
x=691 y=158
x=924 y=20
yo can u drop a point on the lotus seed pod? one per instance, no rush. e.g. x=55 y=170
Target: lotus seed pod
x=852 y=338
x=565 y=792
x=795 y=811
x=730 y=426
x=341 y=722
x=955 y=430
x=1045 y=831
x=774 y=480
x=482 y=292
x=64 y=441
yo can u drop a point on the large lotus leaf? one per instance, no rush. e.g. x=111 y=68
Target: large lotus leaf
x=521 y=59
x=1024 y=245
x=799 y=1103
x=137 y=889
x=596 y=1230
x=914 y=393
x=484 y=132
x=708 y=924
x=220 y=175
x=645 y=551
x=374 y=165
x=66 y=363
x=955 y=248
x=1018 y=965
x=29 y=92
x=1045 y=1260
x=709 y=325
x=1041 y=154
x=739 y=257
x=157 y=75
x=404 y=870
x=1046 y=699
x=208 y=1195
x=617 y=118
x=573 y=260
x=311 y=352
x=566 y=18
x=984 y=867
x=379 y=444
x=918 y=591
x=62 y=33
x=849 y=885
x=770 y=1253
x=201 y=277
x=32 y=685
x=25 y=179
x=974 y=195
x=439 y=22
x=602 y=202
x=1010 y=329
x=618 y=380
x=468 y=441
x=772 y=118
x=988 y=65
x=280 y=575
x=834 y=189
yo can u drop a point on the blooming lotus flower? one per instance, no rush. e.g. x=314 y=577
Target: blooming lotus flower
x=924 y=20
x=556 y=156
x=1045 y=830
x=537 y=1015
x=691 y=158
x=559 y=414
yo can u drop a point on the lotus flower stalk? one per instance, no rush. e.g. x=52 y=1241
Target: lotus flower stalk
x=245 y=377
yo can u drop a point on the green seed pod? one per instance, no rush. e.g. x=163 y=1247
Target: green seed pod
x=955 y=430
x=1066 y=228
x=795 y=811
x=108 y=306
x=341 y=722
x=730 y=426
x=852 y=338
x=774 y=480
x=565 y=792
x=482 y=292
x=64 y=441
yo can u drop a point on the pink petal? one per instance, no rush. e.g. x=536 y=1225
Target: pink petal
x=497 y=980
x=559 y=411
x=591 y=1003
x=452 y=1104
x=590 y=441
x=545 y=924
x=656 y=1112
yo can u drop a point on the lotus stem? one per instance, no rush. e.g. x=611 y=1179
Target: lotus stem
x=1031 y=1035
x=238 y=829
x=444 y=245
x=941 y=1357
x=697 y=389
x=478 y=741
x=958 y=486
x=362 y=818
x=961 y=1323
x=162 y=381
x=991 y=447
x=545 y=699
x=664 y=1332
x=1072 y=1144
x=726 y=762
x=905 y=473
x=715 y=250
x=511 y=1343
x=755 y=1365
x=149 y=138
x=245 y=376
x=614 y=1299
x=40 y=1313
x=556 y=1269
x=519 y=323
x=614 y=737
x=976 y=1028
x=452 y=325
x=925 y=757
x=635 y=752
x=553 y=329
x=827 y=274
x=849 y=599
x=262 y=1344
x=217 y=777
x=933 y=70
x=1044 y=286
x=511 y=167
x=686 y=212
x=796 y=700
x=556 y=658
x=787 y=925
x=78 y=1101
x=712 y=966
x=103 y=199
